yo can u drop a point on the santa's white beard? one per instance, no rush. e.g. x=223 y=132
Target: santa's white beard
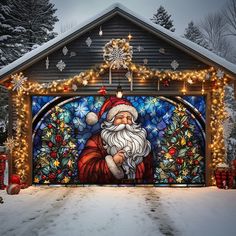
x=129 y=138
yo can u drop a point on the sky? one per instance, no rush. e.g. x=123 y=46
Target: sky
x=182 y=11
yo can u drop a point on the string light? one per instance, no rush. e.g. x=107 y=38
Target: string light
x=21 y=149
x=184 y=90
x=203 y=90
x=119 y=91
x=100 y=31
x=129 y=36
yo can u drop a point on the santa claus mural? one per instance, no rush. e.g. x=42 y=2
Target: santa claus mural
x=120 y=153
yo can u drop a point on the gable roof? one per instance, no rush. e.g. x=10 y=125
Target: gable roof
x=183 y=44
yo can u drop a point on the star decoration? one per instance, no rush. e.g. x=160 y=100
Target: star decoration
x=65 y=180
x=10 y=144
x=74 y=87
x=179 y=179
x=185 y=172
x=46 y=182
x=36 y=180
x=56 y=163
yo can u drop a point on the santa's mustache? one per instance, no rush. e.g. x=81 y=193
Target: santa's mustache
x=116 y=128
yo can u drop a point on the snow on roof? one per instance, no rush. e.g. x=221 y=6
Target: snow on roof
x=33 y=56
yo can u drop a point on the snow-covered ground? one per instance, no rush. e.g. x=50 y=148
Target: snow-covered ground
x=119 y=211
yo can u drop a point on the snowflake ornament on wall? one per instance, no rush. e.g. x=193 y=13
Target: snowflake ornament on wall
x=64 y=50
x=47 y=63
x=9 y=144
x=174 y=64
x=88 y=41
x=61 y=65
x=220 y=74
x=118 y=53
x=145 y=61
x=18 y=82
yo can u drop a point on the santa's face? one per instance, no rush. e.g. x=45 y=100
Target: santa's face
x=123 y=134
x=123 y=117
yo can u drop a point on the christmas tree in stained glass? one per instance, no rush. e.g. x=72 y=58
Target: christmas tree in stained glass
x=179 y=159
x=56 y=160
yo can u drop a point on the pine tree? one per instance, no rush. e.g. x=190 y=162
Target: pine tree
x=180 y=160
x=163 y=18
x=193 y=33
x=32 y=22
x=8 y=51
x=55 y=161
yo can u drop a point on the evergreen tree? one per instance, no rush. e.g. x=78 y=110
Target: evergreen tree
x=180 y=159
x=193 y=33
x=8 y=51
x=55 y=162
x=163 y=18
x=31 y=22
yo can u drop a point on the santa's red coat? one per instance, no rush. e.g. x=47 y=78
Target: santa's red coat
x=94 y=169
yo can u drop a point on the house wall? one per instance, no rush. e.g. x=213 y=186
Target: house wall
x=87 y=57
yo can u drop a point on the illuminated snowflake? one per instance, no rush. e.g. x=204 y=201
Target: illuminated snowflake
x=118 y=53
x=18 y=82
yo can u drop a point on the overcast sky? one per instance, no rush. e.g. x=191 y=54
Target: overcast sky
x=182 y=11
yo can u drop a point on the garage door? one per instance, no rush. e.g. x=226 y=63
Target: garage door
x=156 y=140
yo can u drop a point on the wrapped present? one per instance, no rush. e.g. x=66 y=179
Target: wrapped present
x=224 y=176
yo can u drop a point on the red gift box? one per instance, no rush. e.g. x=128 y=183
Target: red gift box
x=224 y=178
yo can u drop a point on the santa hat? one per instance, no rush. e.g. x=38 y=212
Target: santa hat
x=113 y=105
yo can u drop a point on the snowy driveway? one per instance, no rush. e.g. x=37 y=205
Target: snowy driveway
x=113 y=211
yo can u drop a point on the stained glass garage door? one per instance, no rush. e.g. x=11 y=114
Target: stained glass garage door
x=148 y=140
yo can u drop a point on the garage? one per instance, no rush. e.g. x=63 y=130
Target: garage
x=163 y=94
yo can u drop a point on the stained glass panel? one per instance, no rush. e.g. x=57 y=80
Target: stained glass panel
x=175 y=128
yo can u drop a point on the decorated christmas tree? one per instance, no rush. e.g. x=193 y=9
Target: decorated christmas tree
x=179 y=156
x=56 y=160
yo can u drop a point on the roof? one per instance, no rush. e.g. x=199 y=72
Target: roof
x=189 y=47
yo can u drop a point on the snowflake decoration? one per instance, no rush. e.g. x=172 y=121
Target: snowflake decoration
x=118 y=53
x=18 y=82
x=61 y=65
x=162 y=50
x=64 y=50
x=47 y=63
x=10 y=144
x=88 y=41
x=207 y=76
x=139 y=48
x=174 y=64
x=220 y=74
x=72 y=54
x=74 y=87
x=145 y=61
